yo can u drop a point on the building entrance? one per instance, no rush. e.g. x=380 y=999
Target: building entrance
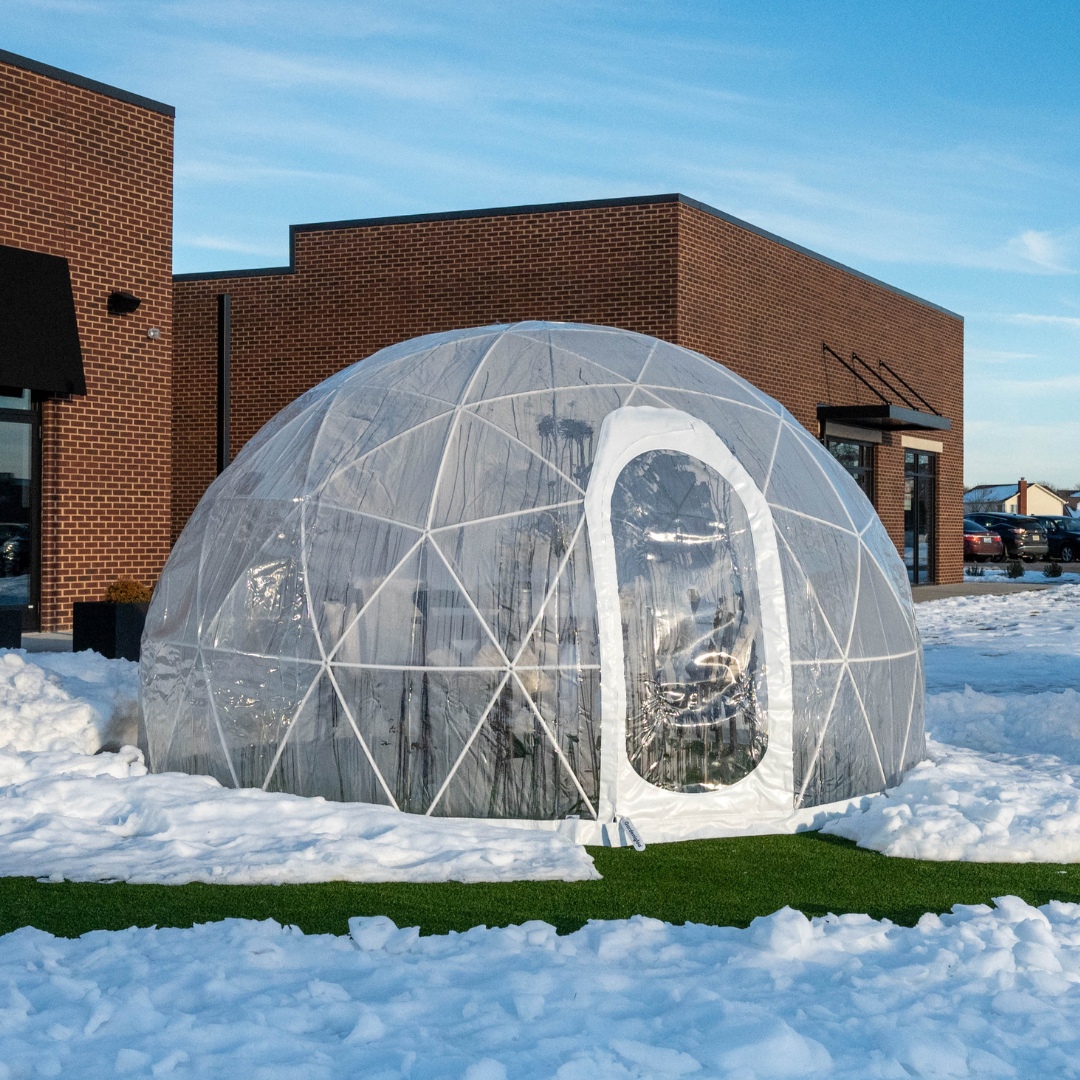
x=920 y=512
x=19 y=506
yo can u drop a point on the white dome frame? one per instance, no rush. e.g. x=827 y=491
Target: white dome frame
x=244 y=660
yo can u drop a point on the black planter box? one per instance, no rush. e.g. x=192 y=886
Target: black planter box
x=11 y=620
x=114 y=630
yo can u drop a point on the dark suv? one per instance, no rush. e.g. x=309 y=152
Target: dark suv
x=1063 y=537
x=1024 y=537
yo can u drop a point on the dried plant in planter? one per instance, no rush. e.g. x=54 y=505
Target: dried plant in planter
x=126 y=591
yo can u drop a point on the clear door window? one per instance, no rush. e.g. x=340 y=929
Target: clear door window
x=692 y=646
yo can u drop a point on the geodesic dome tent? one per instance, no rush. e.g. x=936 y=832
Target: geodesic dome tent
x=545 y=573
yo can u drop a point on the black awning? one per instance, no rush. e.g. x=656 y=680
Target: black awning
x=883 y=417
x=39 y=335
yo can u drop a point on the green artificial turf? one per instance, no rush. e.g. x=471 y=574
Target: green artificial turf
x=723 y=882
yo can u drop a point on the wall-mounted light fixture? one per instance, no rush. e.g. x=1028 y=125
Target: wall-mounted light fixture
x=153 y=333
x=123 y=303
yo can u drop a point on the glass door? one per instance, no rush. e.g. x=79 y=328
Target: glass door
x=19 y=502
x=920 y=471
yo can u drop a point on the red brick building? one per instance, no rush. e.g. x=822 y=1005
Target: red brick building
x=875 y=371
x=95 y=486
x=86 y=178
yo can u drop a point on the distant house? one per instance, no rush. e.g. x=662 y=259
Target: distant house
x=1016 y=498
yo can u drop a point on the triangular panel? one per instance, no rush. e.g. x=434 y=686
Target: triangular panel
x=323 y=758
x=887 y=689
x=841 y=762
x=799 y=482
x=194 y=744
x=395 y=480
x=416 y=723
x=278 y=470
x=509 y=565
x=857 y=505
x=348 y=556
x=442 y=372
x=809 y=633
x=618 y=352
x=828 y=560
x=521 y=364
x=255 y=703
x=266 y=611
x=365 y=418
x=882 y=627
x=680 y=369
x=488 y=473
x=418 y=618
x=567 y=633
x=511 y=769
x=561 y=426
x=243 y=536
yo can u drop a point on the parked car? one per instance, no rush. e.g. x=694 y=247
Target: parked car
x=981 y=544
x=1024 y=537
x=1062 y=537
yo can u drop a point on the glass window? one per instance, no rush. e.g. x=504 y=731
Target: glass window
x=857 y=458
x=920 y=513
x=16 y=517
x=696 y=714
x=13 y=398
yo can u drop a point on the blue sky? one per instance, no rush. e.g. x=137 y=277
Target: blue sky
x=934 y=146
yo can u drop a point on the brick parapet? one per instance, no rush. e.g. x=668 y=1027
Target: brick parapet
x=670 y=269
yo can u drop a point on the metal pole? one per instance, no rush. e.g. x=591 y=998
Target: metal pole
x=224 y=306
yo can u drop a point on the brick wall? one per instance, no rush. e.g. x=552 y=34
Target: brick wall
x=764 y=309
x=88 y=176
x=661 y=268
x=359 y=290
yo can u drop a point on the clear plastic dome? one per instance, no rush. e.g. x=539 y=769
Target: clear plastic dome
x=538 y=572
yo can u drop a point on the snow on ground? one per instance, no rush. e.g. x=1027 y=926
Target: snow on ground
x=93 y=818
x=981 y=992
x=1002 y=781
x=69 y=812
x=1020 y=643
x=996 y=572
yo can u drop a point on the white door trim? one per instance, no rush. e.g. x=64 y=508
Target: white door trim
x=767 y=793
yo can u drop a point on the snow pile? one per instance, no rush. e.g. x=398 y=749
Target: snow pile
x=964 y=805
x=67 y=811
x=985 y=992
x=1047 y=723
x=83 y=818
x=72 y=706
x=1002 y=783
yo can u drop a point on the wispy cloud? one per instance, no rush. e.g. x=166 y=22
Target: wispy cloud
x=1050 y=320
x=996 y=356
x=225 y=243
x=1043 y=251
x=403 y=81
